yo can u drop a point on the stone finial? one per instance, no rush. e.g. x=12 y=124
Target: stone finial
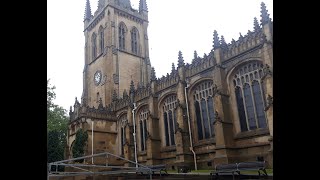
x=153 y=74
x=87 y=12
x=173 y=68
x=138 y=86
x=131 y=87
x=100 y=106
x=233 y=41
x=100 y=101
x=143 y=6
x=114 y=96
x=70 y=109
x=256 y=25
x=223 y=42
x=264 y=14
x=240 y=36
x=125 y=94
x=84 y=101
x=76 y=102
x=216 y=42
x=195 y=54
x=180 y=60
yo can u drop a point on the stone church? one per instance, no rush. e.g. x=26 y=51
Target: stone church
x=218 y=109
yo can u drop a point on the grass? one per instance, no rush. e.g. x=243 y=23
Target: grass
x=269 y=171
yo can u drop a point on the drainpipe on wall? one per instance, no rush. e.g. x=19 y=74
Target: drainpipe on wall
x=134 y=134
x=190 y=133
x=92 y=140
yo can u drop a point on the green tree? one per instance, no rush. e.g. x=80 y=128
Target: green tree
x=57 y=126
x=79 y=144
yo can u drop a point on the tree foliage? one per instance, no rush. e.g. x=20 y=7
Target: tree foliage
x=57 y=126
x=79 y=144
x=56 y=115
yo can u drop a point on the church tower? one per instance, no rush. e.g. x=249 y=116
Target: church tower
x=116 y=50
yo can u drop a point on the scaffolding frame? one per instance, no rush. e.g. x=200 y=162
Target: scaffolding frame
x=122 y=169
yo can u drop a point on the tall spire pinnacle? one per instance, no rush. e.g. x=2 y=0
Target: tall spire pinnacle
x=180 y=59
x=264 y=14
x=216 y=42
x=114 y=96
x=131 y=87
x=173 y=68
x=87 y=12
x=256 y=25
x=223 y=42
x=153 y=74
x=143 y=6
x=195 y=54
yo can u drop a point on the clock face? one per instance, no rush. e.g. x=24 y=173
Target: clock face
x=97 y=77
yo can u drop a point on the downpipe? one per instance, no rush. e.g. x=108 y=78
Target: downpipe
x=190 y=133
x=134 y=134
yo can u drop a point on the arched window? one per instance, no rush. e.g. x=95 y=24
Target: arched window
x=143 y=116
x=122 y=31
x=101 y=39
x=123 y=124
x=134 y=40
x=170 y=119
x=204 y=109
x=250 y=97
x=94 y=46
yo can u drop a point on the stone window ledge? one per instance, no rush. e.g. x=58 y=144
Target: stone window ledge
x=205 y=142
x=252 y=133
x=142 y=153
x=168 y=149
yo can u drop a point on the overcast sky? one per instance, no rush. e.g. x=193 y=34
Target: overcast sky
x=174 y=25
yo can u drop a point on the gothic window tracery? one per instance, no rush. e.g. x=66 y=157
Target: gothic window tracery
x=122 y=31
x=204 y=109
x=134 y=40
x=143 y=116
x=101 y=38
x=94 y=46
x=250 y=97
x=170 y=119
x=123 y=123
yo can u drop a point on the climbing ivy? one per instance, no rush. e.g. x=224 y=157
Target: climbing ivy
x=79 y=144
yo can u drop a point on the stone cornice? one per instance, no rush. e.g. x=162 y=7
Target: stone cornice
x=124 y=51
x=252 y=134
x=134 y=16
x=242 y=55
x=119 y=10
x=95 y=21
x=95 y=59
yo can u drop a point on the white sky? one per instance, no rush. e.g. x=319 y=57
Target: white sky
x=174 y=25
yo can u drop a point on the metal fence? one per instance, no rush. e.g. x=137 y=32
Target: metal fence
x=89 y=167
